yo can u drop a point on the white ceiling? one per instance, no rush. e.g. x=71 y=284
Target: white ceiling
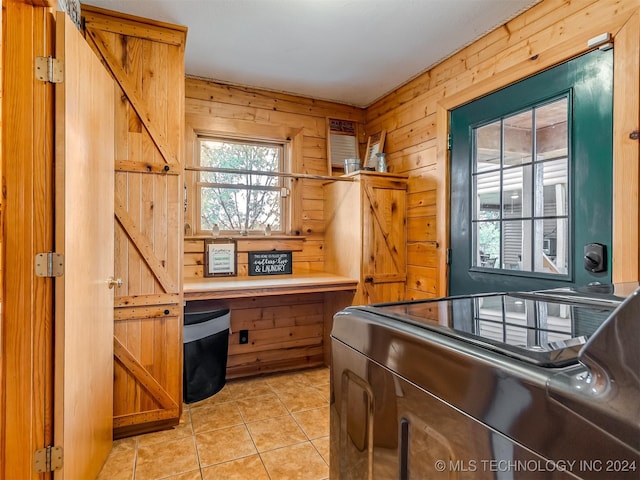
x=349 y=51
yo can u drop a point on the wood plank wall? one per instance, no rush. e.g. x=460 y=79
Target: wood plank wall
x=239 y=111
x=194 y=254
x=285 y=331
x=2 y=407
x=415 y=118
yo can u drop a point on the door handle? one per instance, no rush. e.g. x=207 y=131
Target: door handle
x=114 y=282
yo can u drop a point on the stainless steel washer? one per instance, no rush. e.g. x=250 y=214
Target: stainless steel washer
x=504 y=386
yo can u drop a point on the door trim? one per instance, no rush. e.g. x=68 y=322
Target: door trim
x=27 y=301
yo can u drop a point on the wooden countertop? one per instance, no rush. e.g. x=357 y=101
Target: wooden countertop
x=239 y=287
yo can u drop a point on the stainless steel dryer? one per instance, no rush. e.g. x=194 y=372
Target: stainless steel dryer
x=497 y=386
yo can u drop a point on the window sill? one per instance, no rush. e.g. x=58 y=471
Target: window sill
x=248 y=237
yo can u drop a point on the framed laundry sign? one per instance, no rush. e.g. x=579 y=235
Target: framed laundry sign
x=220 y=259
x=275 y=262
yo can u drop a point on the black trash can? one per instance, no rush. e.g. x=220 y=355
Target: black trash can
x=206 y=343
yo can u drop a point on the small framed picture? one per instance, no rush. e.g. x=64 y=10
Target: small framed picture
x=220 y=258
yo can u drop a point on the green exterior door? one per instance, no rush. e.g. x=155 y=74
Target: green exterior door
x=531 y=181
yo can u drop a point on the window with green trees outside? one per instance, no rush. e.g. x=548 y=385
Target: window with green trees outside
x=238 y=187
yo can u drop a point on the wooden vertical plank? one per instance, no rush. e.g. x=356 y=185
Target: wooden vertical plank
x=626 y=153
x=162 y=87
x=147 y=227
x=2 y=359
x=84 y=189
x=297 y=185
x=120 y=376
x=27 y=109
x=173 y=357
x=442 y=195
x=122 y=268
x=159 y=219
x=2 y=253
x=173 y=192
x=159 y=348
x=156 y=61
x=121 y=105
x=175 y=103
x=133 y=343
x=173 y=188
x=133 y=63
x=133 y=200
x=132 y=394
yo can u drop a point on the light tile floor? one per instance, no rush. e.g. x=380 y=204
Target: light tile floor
x=266 y=428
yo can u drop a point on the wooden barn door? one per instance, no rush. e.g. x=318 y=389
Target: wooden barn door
x=384 y=270
x=146 y=60
x=83 y=375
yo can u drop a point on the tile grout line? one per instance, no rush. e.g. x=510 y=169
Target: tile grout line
x=309 y=438
x=246 y=426
x=288 y=384
x=195 y=441
x=264 y=465
x=195 y=445
x=135 y=458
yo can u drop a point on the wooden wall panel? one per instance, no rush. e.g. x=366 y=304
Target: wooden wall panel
x=285 y=332
x=416 y=120
x=193 y=258
x=626 y=169
x=269 y=101
x=2 y=360
x=224 y=109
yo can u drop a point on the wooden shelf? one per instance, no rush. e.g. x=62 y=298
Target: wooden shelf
x=373 y=173
x=241 y=287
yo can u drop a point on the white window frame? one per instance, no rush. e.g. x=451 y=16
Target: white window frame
x=284 y=183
